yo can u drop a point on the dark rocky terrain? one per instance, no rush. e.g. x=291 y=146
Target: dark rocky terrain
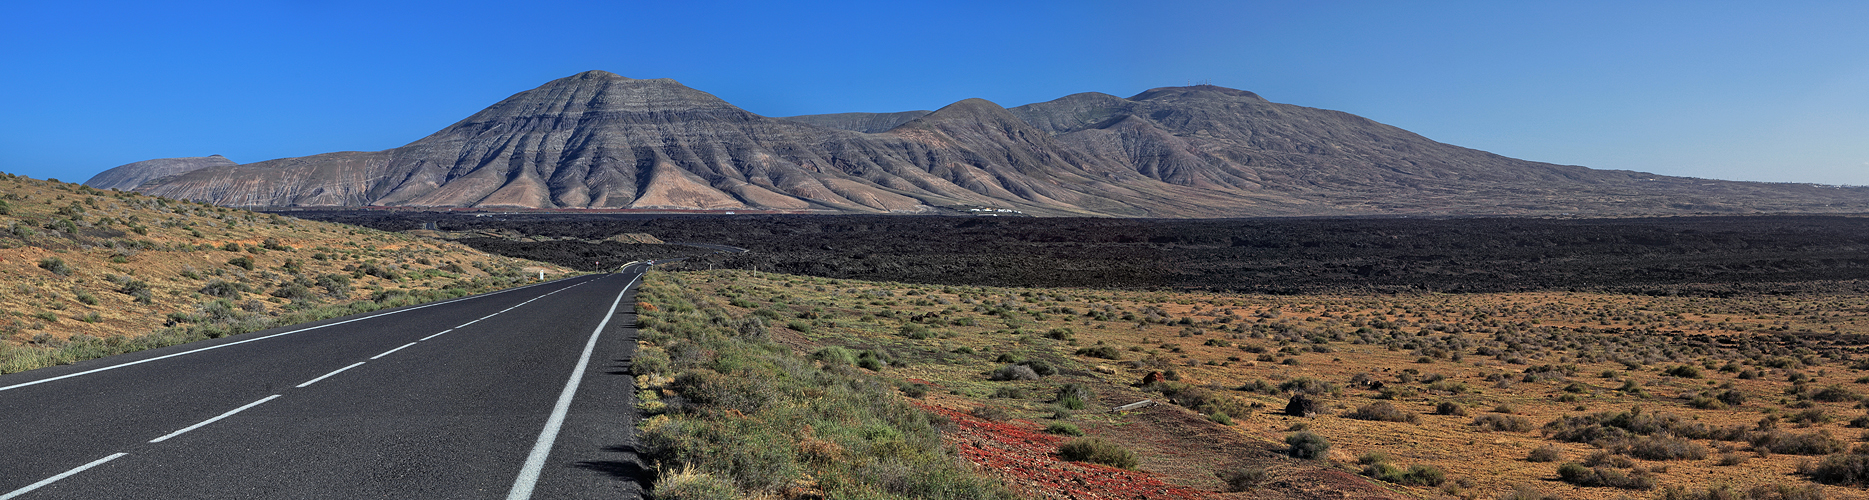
x=129 y=176
x=598 y=140
x=1665 y=255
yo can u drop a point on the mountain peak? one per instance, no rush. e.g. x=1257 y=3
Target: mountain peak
x=598 y=74
x=970 y=112
x=598 y=91
x=1196 y=91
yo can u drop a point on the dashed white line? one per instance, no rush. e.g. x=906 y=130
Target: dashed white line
x=532 y=470
x=213 y=420
x=398 y=311
x=54 y=479
x=328 y=375
x=535 y=461
x=386 y=353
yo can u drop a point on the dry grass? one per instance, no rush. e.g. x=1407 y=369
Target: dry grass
x=1532 y=357
x=80 y=265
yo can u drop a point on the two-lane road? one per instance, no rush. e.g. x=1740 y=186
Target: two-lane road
x=522 y=393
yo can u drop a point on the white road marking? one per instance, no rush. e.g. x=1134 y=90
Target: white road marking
x=138 y=362
x=535 y=462
x=213 y=420
x=328 y=375
x=558 y=417
x=54 y=479
x=386 y=353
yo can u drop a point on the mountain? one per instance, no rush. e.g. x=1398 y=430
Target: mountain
x=861 y=122
x=128 y=176
x=598 y=140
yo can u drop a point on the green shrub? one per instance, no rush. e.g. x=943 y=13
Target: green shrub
x=1102 y=351
x=293 y=291
x=1097 y=451
x=835 y=355
x=1305 y=444
x=1381 y=411
x=1063 y=429
x=1545 y=454
x=1835 y=394
x=1073 y=395
x=56 y=266
x=243 y=262
x=1244 y=478
x=1683 y=371
x=914 y=390
x=1496 y=422
x=1450 y=408
x=1014 y=372
x=1841 y=468
x=85 y=297
x=1578 y=474
x=335 y=285
x=1817 y=443
x=223 y=289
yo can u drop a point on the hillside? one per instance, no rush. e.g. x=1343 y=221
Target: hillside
x=127 y=177
x=599 y=140
x=86 y=272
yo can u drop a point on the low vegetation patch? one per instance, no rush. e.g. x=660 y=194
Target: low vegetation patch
x=1098 y=451
x=757 y=418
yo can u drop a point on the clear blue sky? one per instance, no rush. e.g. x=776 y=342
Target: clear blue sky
x=1769 y=91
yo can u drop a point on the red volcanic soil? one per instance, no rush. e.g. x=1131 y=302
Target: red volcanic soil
x=1026 y=458
x=1028 y=461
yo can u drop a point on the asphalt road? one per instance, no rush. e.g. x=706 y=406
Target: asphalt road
x=522 y=393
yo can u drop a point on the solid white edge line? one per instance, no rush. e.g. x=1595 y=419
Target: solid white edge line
x=213 y=420
x=54 y=479
x=386 y=353
x=327 y=375
x=535 y=461
x=398 y=311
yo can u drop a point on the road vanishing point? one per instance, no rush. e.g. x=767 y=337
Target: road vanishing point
x=521 y=393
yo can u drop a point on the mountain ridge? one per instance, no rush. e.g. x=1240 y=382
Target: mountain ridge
x=600 y=140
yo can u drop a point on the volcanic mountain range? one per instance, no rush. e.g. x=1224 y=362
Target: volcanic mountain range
x=598 y=140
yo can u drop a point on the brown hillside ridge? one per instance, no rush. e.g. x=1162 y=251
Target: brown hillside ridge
x=86 y=272
x=603 y=141
x=127 y=177
x=1420 y=396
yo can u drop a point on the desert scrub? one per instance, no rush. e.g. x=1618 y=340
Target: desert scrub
x=212 y=319
x=56 y=266
x=1508 y=423
x=1381 y=411
x=1377 y=466
x=1580 y=475
x=760 y=418
x=1097 y=451
x=1306 y=444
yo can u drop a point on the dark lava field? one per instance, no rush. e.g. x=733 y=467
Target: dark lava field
x=1709 y=256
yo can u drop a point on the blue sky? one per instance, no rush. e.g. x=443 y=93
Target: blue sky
x=1728 y=90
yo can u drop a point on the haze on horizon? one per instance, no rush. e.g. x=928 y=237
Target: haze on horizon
x=1714 y=90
